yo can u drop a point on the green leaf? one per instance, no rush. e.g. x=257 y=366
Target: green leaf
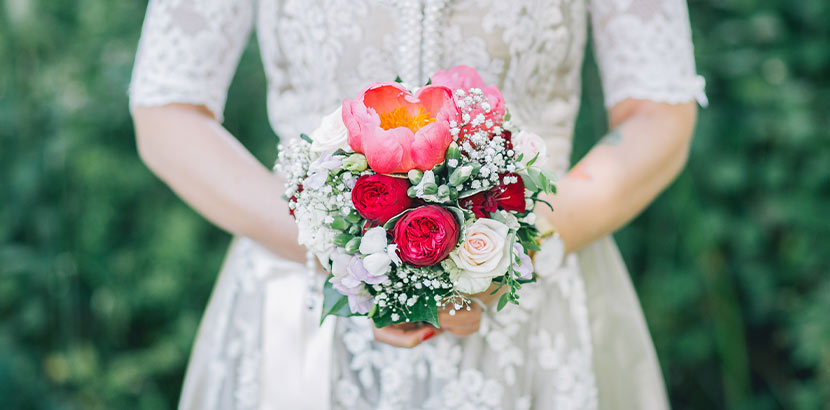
x=334 y=303
x=550 y=175
x=398 y=79
x=529 y=182
x=424 y=310
x=390 y=224
x=547 y=178
x=471 y=192
x=531 y=246
x=459 y=214
x=503 y=301
x=306 y=138
x=429 y=82
x=532 y=160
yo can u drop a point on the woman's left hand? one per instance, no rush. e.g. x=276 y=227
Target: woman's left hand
x=463 y=323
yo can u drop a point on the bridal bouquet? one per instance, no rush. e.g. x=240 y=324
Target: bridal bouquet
x=414 y=199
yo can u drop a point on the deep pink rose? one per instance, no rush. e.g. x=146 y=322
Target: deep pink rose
x=426 y=235
x=510 y=197
x=466 y=77
x=379 y=197
x=398 y=131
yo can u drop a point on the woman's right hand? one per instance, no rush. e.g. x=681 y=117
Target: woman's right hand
x=405 y=335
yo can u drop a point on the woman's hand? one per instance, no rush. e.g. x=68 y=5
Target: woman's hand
x=466 y=322
x=405 y=335
x=462 y=323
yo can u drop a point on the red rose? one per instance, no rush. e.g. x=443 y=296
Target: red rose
x=508 y=197
x=425 y=236
x=379 y=197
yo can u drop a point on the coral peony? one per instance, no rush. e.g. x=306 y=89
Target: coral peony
x=398 y=131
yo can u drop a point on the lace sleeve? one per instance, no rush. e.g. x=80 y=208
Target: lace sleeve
x=188 y=52
x=644 y=50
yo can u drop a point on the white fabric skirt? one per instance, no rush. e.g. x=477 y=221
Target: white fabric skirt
x=578 y=340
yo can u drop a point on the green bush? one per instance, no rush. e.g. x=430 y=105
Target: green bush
x=105 y=273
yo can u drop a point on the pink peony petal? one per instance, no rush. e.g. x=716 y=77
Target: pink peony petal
x=460 y=76
x=386 y=97
x=430 y=145
x=353 y=120
x=389 y=151
x=434 y=99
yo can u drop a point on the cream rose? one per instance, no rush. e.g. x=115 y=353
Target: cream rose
x=331 y=134
x=482 y=256
x=530 y=144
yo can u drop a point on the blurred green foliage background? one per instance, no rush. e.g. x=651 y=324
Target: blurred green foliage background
x=104 y=273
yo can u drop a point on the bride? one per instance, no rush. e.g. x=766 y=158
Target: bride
x=577 y=341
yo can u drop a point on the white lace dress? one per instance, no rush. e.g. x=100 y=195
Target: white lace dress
x=578 y=340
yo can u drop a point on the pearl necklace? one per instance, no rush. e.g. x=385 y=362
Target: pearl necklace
x=431 y=49
x=419 y=45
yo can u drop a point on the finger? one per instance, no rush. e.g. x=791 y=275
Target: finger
x=463 y=330
x=461 y=324
x=403 y=338
x=462 y=318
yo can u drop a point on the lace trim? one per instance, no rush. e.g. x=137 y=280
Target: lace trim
x=188 y=52
x=644 y=50
x=692 y=89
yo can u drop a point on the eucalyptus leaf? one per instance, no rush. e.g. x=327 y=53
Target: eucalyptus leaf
x=529 y=182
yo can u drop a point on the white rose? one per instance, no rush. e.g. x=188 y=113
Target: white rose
x=331 y=134
x=482 y=256
x=530 y=144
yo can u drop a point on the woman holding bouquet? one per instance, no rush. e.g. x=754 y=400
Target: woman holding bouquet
x=577 y=340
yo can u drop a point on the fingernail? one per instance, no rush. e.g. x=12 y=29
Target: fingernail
x=427 y=335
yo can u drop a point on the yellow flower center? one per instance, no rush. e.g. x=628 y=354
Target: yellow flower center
x=400 y=117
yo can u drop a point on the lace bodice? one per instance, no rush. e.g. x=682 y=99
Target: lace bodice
x=316 y=52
